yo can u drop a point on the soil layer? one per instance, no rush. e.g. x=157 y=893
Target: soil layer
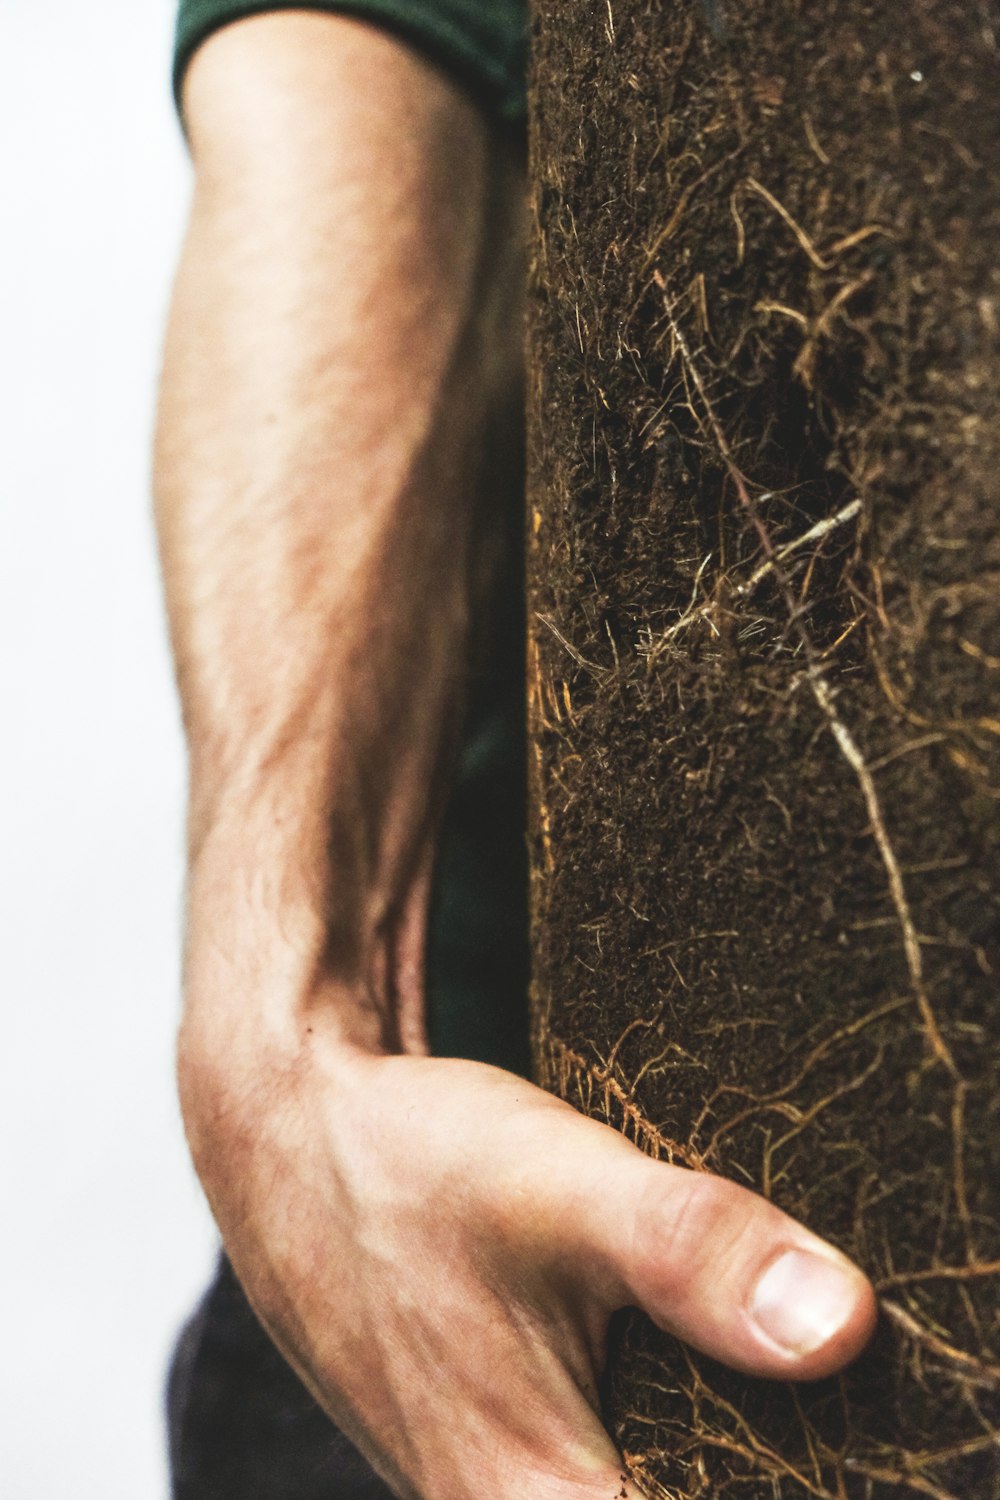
x=764 y=659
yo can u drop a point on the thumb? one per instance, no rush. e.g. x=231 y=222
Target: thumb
x=728 y=1272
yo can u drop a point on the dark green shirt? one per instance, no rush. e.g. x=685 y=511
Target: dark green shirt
x=483 y=42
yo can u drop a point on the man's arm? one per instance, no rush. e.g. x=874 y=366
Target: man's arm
x=435 y=1245
x=344 y=338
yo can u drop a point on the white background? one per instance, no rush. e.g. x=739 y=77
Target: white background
x=104 y=1240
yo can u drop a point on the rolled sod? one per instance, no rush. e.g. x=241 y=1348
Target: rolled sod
x=764 y=675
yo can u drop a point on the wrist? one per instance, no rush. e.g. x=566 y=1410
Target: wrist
x=254 y=1085
x=278 y=962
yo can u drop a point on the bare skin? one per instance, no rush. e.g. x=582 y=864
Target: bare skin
x=435 y=1245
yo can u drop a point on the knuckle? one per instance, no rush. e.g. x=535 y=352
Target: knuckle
x=699 y=1229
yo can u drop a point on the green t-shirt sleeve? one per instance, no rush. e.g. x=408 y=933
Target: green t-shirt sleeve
x=484 y=42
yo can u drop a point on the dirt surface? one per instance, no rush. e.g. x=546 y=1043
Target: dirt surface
x=764 y=606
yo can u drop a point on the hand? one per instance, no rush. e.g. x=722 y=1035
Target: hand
x=437 y=1246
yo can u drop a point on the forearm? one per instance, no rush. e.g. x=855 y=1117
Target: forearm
x=342 y=343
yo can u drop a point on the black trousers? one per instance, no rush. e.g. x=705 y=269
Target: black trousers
x=242 y=1426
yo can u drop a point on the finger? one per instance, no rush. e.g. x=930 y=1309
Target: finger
x=611 y=1483
x=584 y=1466
x=727 y=1271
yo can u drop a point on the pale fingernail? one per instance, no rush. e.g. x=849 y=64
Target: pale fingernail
x=803 y=1300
